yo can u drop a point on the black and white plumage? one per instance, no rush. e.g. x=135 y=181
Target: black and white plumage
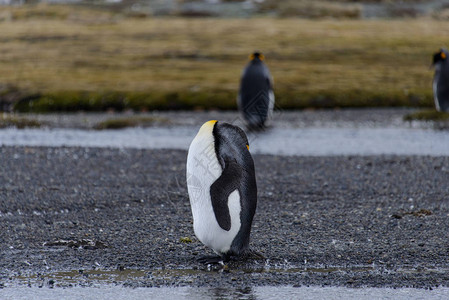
x=441 y=80
x=222 y=189
x=256 y=98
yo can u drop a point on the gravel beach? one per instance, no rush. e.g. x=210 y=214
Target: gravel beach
x=124 y=214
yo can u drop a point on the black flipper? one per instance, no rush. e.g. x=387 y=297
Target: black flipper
x=222 y=188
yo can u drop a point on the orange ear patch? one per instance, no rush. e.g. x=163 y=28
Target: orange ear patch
x=247 y=146
x=443 y=55
x=261 y=56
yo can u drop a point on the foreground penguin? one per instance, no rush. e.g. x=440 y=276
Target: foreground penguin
x=222 y=189
x=256 y=98
x=441 y=80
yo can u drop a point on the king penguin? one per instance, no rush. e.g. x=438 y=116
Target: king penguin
x=256 y=98
x=222 y=189
x=441 y=80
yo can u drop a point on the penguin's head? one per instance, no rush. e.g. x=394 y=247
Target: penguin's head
x=230 y=143
x=207 y=128
x=216 y=146
x=440 y=56
x=256 y=56
x=223 y=135
x=227 y=140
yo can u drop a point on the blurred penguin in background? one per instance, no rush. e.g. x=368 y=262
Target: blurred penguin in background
x=441 y=80
x=256 y=98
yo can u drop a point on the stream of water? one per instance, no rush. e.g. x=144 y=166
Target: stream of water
x=190 y=293
x=282 y=141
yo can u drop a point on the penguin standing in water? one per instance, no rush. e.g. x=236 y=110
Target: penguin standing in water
x=441 y=80
x=256 y=98
x=222 y=189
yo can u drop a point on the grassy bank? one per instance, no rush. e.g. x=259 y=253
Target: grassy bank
x=56 y=58
x=18 y=122
x=427 y=115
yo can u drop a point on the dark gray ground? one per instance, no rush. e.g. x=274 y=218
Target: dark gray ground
x=351 y=221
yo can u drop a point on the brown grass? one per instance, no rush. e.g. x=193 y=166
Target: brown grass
x=191 y=62
x=18 y=122
x=135 y=121
x=427 y=115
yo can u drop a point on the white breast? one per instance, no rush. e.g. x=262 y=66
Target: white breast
x=203 y=169
x=270 y=106
x=435 y=95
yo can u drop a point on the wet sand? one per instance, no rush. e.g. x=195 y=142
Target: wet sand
x=378 y=221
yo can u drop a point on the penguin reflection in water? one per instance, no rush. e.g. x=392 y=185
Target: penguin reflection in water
x=441 y=80
x=256 y=98
x=222 y=190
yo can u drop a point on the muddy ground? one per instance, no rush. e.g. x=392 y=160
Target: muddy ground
x=71 y=216
x=372 y=118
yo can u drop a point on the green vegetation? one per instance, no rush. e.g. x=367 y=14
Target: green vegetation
x=118 y=101
x=185 y=240
x=118 y=123
x=341 y=9
x=311 y=9
x=427 y=115
x=58 y=58
x=18 y=122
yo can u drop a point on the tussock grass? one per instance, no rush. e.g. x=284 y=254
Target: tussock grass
x=135 y=121
x=73 y=61
x=18 y=122
x=311 y=9
x=427 y=115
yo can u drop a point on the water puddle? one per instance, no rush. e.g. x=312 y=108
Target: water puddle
x=188 y=272
x=96 y=276
x=74 y=277
x=108 y=284
x=277 y=141
x=262 y=293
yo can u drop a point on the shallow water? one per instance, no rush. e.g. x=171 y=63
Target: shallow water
x=115 y=284
x=106 y=277
x=267 y=292
x=319 y=141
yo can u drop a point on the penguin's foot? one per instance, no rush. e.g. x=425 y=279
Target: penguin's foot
x=252 y=254
x=212 y=260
